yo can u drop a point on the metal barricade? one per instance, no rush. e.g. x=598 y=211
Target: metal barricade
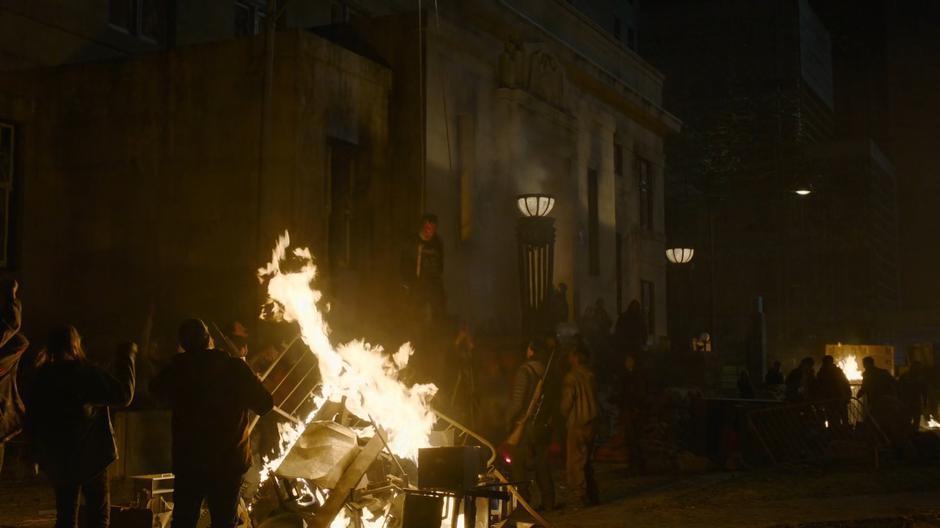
x=818 y=431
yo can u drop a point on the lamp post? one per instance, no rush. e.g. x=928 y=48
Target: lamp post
x=536 y=254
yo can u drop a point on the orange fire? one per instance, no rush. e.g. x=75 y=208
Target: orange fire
x=849 y=365
x=359 y=372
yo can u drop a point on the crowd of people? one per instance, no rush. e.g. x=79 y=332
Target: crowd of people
x=62 y=402
x=903 y=400
x=559 y=374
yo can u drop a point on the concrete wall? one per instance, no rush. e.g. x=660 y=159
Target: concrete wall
x=140 y=178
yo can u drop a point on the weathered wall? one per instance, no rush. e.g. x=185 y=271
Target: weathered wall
x=527 y=136
x=140 y=178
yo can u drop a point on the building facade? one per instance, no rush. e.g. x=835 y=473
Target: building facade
x=754 y=84
x=532 y=97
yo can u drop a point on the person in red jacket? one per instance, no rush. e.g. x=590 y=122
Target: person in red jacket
x=210 y=395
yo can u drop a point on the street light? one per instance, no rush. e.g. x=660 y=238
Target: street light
x=535 y=204
x=536 y=259
x=803 y=191
x=680 y=255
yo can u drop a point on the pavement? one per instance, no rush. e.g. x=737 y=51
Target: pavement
x=805 y=497
x=792 y=497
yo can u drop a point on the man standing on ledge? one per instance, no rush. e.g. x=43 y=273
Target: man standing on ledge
x=422 y=270
x=210 y=394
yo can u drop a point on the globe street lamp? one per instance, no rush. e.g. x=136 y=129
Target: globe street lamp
x=680 y=255
x=535 y=204
x=536 y=238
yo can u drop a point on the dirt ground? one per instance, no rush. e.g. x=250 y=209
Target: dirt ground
x=898 y=496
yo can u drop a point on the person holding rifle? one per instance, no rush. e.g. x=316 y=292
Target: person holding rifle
x=529 y=436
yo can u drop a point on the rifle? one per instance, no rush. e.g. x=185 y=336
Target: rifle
x=535 y=404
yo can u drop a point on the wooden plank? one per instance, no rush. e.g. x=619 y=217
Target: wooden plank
x=347 y=483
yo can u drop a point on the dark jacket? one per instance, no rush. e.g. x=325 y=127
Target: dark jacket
x=878 y=385
x=523 y=386
x=67 y=415
x=423 y=260
x=774 y=377
x=831 y=384
x=210 y=394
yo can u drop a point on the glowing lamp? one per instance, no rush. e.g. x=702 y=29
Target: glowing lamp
x=803 y=191
x=680 y=255
x=535 y=204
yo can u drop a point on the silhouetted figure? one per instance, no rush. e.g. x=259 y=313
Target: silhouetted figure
x=877 y=384
x=559 y=305
x=912 y=390
x=833 y=390
x=631 y=332
x=210 y=394
x=580 y=410
x=533 y=449
x=745 y=388
x=800 y=381
x=602 y=319
x=774 y=376
x=422 y=271
x=70 y=425
x=634 y=404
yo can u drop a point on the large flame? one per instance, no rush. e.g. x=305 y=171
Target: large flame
x=357 y=371
x=849 y=365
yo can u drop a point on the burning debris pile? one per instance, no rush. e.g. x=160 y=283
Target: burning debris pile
x=351 y=461
x=355 y=378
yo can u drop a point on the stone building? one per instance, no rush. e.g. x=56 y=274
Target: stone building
x=530 y=97
x=149 y=114
x=754 y=84
x=138 y=186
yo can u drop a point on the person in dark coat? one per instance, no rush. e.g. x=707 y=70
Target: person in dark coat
x=745 y=387
x=912 y=390
x=800 y=381
x=774 y=376
x=210 y=394
x=533 y=449
x=634 y=407
x=877 y=385
x=630 y=331
x=833 y=390
x=422 y=271
x=68 y=420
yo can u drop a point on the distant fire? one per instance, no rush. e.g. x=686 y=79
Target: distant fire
x=849 y=366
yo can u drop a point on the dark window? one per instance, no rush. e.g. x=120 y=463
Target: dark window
x=249 y=18
x=121 y=14
x=648 y=303
x=350 y=217
x=7 y=150
x=631 y=38
x=594 y=262
x=339 y=13
x=342 y=207
x=618 y=160
x=644 y=176
x=150 y=19
x=141 y=18
x=617 y=28
x=618 y=258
